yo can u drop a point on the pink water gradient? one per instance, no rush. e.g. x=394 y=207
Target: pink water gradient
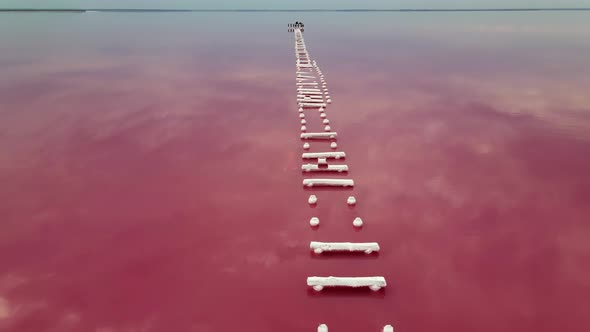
x=150 y=174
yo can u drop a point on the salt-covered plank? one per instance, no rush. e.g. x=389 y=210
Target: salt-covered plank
x=366 y=247
x=328 y=135
x=331 y=154
x=313 y=104
x=328 y=182
x=374 y=283
x=329 y=168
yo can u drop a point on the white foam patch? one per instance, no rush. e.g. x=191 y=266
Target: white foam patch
x=314 y=221
x=312 y=199
x=357 y=222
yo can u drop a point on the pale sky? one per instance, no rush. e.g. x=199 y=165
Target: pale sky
x=285 y=4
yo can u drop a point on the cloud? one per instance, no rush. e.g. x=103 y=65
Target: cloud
x=5 y=311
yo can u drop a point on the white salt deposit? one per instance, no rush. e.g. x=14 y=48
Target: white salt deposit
x=327 y=128
x=314 y=221
x=323 y=115
x=321 y=109
x=322 y=328
x=329 y=101
x=374 y=283
x=322 y=161
x=333 y=145
x=328 y=182
x=315 y=155
x=303 y=121
x=366 y=247
x=386 y=328
x=303 y=128
x=351 y=200
x=312 y=199
x=330 y=168
x=301 y=115
x=325 y=121
x=300 y=110
x=306 y=146
x=357 y=222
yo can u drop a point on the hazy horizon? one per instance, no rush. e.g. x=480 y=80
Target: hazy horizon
x=304 y=4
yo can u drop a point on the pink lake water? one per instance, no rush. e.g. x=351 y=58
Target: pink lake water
x=150 y=172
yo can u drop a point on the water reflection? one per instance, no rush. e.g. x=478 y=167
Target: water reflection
x=151 y=178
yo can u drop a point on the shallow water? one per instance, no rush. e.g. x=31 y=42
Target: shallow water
x=150 y=172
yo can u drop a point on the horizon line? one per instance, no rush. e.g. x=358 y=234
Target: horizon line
x=294 y=10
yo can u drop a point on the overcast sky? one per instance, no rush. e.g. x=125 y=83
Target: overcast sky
x=286 y=4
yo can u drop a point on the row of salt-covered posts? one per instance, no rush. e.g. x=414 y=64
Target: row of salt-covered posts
x=313 y=95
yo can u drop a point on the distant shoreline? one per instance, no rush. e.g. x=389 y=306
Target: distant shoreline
x=25 y=10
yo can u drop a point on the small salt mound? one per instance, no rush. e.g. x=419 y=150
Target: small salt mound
x=314 y=221
x=300 y=110
x=327 y=128
x=323 y=328
x=303 y=128
x=322 y=161
x=326 y=121
x=306 y=146
x=301 y=115
x=386 y=328
x=303 y=121
x=351 y=200
x=333 y=145
x=321 y=109
x=329 y=101
x=312 y=199
x=358 y=222
x=323 y=115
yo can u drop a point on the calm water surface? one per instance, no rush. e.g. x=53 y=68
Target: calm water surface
x=150 y=172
